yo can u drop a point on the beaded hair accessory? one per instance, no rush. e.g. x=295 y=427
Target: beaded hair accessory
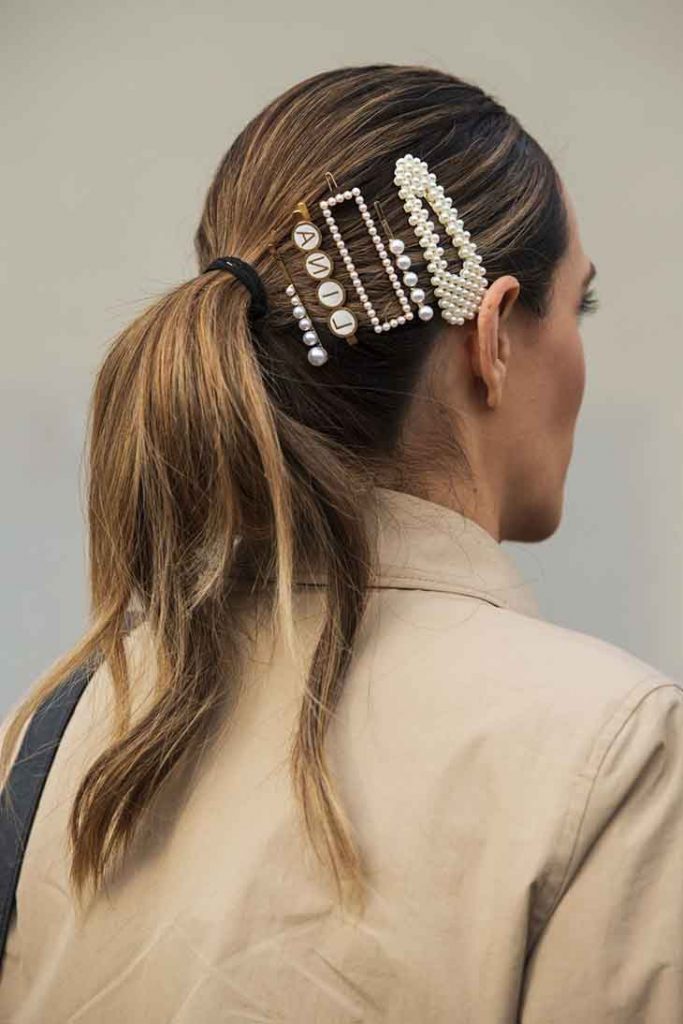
x=458 y=295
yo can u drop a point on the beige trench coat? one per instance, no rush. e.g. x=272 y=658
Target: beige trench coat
x=517 y=791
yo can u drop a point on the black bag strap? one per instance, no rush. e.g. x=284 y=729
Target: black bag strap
x=25 y=783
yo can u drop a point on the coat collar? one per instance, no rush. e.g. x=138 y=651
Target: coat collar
x=421 y=545
x=426 y=546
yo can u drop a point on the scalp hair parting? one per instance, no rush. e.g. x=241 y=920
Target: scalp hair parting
x=210 y=438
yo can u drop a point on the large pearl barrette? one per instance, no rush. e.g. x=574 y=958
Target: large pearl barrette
x=459 y=295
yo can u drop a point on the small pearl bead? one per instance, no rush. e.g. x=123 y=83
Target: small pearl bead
x=291 y=290
x=403 y=262
x=317 y=355
x=310 y=337
x=305 y=324
x=410 y=279
x=299 y=312
x=396 y=246
x=417 y=295
x=425 y=312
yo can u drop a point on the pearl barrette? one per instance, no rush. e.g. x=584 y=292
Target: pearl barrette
x=459 y=295
x=356 y=194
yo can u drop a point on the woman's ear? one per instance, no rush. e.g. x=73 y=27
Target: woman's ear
x=488 y=337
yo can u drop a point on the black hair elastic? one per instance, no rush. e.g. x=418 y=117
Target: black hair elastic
x=249 y=277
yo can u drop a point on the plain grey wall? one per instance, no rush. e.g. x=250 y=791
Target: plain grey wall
x=114 y=118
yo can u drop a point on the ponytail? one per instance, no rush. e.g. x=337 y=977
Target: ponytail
x=185 y=460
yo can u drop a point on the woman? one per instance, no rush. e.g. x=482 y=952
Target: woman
x=338 y=768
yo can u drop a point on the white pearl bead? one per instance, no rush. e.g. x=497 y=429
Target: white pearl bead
x=417 y=295
x=425 y=312
x=291 y=290
x=396 y=246
x=305 y=324
x=317 y=355
x=309 y=337
x=410 y=279
x=403 y=262
x=299 y=312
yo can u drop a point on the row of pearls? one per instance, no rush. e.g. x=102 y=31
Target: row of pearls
x=356 y=194
x=331 y=294
x=317 y=355
x=459 y=295
x=403 y=262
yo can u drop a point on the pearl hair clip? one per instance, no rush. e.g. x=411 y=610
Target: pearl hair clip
x=459 y=295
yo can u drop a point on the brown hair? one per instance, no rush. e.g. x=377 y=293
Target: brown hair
x=206 y=433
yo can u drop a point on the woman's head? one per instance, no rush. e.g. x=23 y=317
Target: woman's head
x=355 y=123
x=213 y=441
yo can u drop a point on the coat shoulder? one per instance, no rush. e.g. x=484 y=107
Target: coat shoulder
x=510 y=676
